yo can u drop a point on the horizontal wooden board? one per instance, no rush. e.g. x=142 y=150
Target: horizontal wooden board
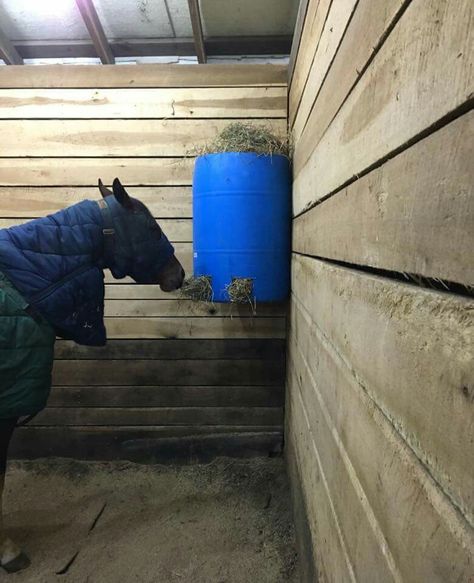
x=152 y=75
x=86 y=171
x=175 y=349
x=172 y=396
x=365 y=31
x=335 y=25
x=31 y=202
x=94 y=103
x=193 y=327
x=167 y=137
x=165 y=444
x=316 y=15
x=197 y=416
x=407 y=347
x=184 y=308
x=391 y=104
x=177 y=230
x=166 y=372
x=408 y=215
x=420 y=532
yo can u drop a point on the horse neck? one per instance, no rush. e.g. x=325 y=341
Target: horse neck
x=54 y=246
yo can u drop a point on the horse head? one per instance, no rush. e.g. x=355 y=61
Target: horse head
x=135 y=245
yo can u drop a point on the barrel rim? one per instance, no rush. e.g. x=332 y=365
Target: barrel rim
x=245 y=154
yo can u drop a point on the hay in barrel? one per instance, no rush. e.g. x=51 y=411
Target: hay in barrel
x=198 y=288
x=246 y=137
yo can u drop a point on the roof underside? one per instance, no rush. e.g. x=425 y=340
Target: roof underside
x=109 y=29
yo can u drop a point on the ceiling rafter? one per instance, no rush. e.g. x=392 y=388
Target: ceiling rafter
x=8 y=52
x=164 y=47
x=196 y=22
x=96 y=31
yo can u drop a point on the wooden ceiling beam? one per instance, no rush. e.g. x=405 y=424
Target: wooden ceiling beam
x=8 y=52
x=215 y=46
x=96 y=31
x=196 y=23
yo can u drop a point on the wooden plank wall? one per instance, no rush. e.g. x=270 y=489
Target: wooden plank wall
x=172 y=368
x=380 y=394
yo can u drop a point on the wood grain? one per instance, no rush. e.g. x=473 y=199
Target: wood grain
x=316 y=15
x=331 y=36
x=147 y=444
x=166 y=372
x=162 y=396
x=390 y=105
x=383 y=475
x=365 y=32
x=89 y=76
x=408 y=215
x=175 y=349
x=170 y=416
x=32 y=202
x=167 y=137
x=268 y=102
x=193 y=327
x=380 y=327
x=86 y=171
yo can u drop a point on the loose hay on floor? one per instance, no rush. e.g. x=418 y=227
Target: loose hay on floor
x=228 y=521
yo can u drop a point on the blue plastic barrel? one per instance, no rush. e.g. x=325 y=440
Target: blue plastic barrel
x=242 y=222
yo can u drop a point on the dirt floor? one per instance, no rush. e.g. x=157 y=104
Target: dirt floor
x=226 y=522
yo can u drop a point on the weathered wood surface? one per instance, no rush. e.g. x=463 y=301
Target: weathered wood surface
x=316 y=15
x=309 y=564
x=421 y=534
x=167 y=372
x=118 y=290
x=195 y=327
x=429 y=48
x=32 y=202
x=85 y=171
x=94 y=103
x=175 y=349
x=182 y=415
x=90 y=76
x=114 y=137
x=298 y=31
x=167 y=396
x=165 y=444
x=184 y=308
x=329 y=546
x=414 y=214
x=365 y=31
x=177 y=230
x=411 y=351
x=333 y=31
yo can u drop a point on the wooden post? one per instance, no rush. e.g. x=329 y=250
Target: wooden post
x=196 y=22
x=96 y=32
x=8 y=52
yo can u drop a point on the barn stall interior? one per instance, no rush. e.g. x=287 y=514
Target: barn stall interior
x=161 y=456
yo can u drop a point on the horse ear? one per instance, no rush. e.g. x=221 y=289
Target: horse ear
x=104 y=191
x=121 y=194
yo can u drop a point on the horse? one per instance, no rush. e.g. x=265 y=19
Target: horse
x=52 y=285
